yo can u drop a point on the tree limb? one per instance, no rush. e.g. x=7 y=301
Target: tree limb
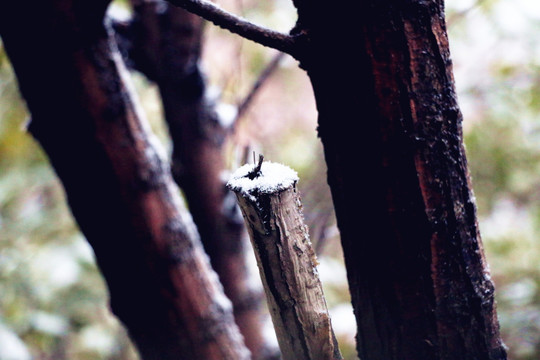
x=165 y=45
x=237 y=25
x=263 y=76
x=119 y=188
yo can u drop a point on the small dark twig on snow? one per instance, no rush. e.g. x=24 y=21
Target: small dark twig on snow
x=256 y=172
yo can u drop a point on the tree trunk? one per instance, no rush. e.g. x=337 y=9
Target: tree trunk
x=166 y=44
x=118 y=187
x=392 y=135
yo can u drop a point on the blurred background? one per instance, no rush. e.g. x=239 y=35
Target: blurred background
x=53 y=302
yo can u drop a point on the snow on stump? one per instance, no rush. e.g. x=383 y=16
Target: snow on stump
x=271 y=207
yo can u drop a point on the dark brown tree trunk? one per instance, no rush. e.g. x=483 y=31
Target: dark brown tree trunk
x=166 y=46
x=118 y=187
x=392 y=135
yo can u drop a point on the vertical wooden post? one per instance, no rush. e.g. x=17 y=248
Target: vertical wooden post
x=271 y=207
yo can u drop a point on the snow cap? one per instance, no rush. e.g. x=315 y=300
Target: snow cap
x=272 y=178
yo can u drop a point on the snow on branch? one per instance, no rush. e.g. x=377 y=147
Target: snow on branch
x=263 y=178
x=272 y=210
x=237 y=25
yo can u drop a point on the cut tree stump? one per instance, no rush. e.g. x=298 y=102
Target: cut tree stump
x=272 y=211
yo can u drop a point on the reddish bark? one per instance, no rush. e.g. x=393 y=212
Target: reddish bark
x=391 y=130
x=166 y=46
x=118 y=187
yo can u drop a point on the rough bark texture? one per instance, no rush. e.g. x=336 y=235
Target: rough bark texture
x=392 y=136
x=288 y=268
x=165 y=45
x=118 y=187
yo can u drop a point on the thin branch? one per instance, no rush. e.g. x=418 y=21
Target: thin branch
x=263 y=76
x=237 y=25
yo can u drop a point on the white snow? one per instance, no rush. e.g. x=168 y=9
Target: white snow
x=118 y=12
x=226 y=114
x=274 y=178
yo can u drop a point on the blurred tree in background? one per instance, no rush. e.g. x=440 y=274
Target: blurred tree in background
x=53 y=303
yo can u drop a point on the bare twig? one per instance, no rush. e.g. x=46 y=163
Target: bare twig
x=238 y=25
x=256 y=172
x=263 y=76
